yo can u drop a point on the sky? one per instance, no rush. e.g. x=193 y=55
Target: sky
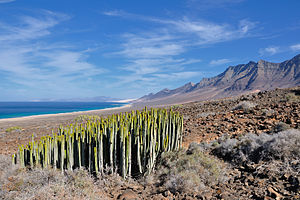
x=126 y=49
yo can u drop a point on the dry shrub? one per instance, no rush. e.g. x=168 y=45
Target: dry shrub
x=205 y=114
x=190 y=171
x=281 y=149
x=281 y=126
x=85 y=118
x=37 y=183
x=245 y=106
x=293 y=97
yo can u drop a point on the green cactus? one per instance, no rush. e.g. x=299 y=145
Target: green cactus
x=129 y=142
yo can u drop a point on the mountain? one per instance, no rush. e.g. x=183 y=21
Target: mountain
x=235 y=80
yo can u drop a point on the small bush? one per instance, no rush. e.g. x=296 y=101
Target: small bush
x=292 y=97
x=281 y=126
x=13 y=128
x=176 y=106
x=22 y=183
x=190 y=171
x=283 y=146
x=84 y=118
x=245 y=106
x=205 y=114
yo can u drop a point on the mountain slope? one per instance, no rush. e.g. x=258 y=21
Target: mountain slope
x=235 y=80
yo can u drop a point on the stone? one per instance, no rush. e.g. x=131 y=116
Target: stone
x=274 y=194
x=128 y=195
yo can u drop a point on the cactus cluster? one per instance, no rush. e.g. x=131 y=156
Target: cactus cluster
x=127 y=143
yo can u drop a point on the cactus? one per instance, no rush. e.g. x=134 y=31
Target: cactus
x=128 y=142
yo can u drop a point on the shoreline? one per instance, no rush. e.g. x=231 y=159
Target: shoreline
x=40 y=116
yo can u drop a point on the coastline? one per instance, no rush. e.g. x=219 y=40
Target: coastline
x=41 y=125
x=14 y=119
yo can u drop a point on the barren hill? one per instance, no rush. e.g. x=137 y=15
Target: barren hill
x=235 y=80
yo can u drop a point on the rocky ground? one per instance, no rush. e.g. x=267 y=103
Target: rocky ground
x=219 y=164
x=253 y=113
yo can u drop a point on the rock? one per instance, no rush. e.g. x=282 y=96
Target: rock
x=159 y=197
x=294 y=181
x=167 y=193
x=274 y=194
x=128 y=195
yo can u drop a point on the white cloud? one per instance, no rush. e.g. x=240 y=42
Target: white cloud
x=209 y=4
x=115 y=13
x=34 y=65
x=30 y=27
x=179 y=75
x=295 y=47
x=204 y=31
x=150 y=46
x=209 y=32
x=150 y=52
x=220 y=61
x=155 y=55
x=269 y=50
x=6 y=1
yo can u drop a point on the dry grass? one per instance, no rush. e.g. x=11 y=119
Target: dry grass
x=18 y=183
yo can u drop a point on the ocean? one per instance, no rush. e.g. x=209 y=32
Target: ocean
x=21 y=109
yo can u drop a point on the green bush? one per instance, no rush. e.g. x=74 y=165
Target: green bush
x=13 y=128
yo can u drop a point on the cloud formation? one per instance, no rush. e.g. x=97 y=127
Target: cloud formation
x=6 y=1
x=204 y=5
x=269 y=50
x=295 y=47
x=32 y=64
x=156 y=55
x=220 y=61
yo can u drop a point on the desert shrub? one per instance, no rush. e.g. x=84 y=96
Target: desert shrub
x=176 y=106
x=245 y=106
x=205 y=114
x=292 y=97
x=84 y=118
x=281 y=126
x=22 y=183
x=13 y=128
x=283 y=146
x=268 y=111
x=190 y=171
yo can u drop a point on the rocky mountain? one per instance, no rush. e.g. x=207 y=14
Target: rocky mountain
x=235 y=80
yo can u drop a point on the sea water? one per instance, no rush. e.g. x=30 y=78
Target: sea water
x=21 y=109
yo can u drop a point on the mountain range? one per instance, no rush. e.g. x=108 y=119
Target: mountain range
x=235 y=80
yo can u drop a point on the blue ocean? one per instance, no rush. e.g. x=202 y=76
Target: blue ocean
x=21 y=109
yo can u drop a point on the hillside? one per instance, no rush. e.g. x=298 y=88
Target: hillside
x=246 y=147
x=235 y=80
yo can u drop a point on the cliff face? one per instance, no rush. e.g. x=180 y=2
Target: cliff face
x=235 y=80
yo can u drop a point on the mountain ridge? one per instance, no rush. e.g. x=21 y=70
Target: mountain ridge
x=243 y=78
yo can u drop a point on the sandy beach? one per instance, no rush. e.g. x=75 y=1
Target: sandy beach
x=89 y=112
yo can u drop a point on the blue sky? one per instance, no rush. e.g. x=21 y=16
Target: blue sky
x=126 y=49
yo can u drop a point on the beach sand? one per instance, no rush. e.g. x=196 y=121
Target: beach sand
x=41 y=125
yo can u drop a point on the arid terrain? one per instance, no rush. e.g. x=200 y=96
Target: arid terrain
x=245 y=147
x=234 y=81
